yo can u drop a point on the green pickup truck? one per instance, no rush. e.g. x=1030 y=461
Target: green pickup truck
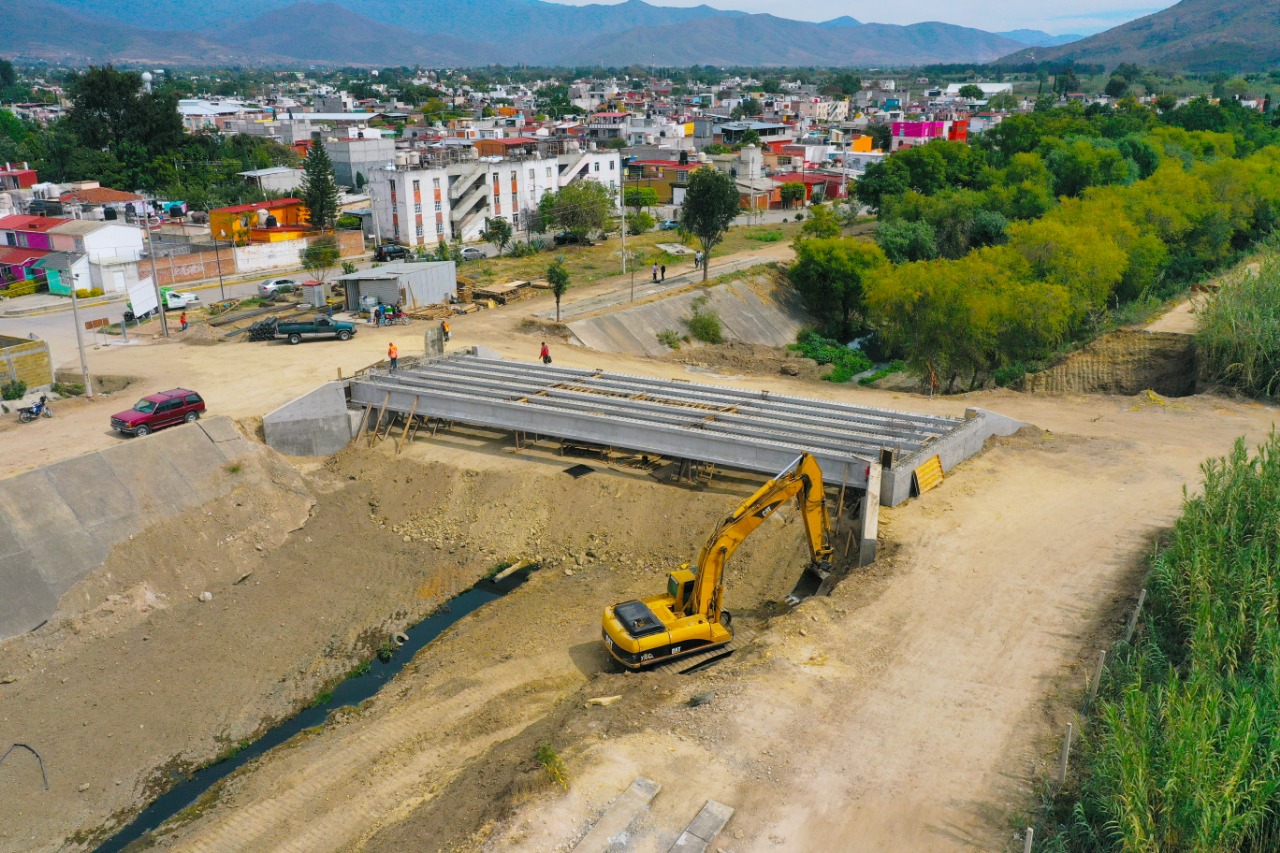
x=318 y=327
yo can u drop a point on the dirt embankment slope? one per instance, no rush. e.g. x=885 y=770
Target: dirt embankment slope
x=139 y=677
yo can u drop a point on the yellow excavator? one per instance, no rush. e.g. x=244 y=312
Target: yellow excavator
x=690 y=619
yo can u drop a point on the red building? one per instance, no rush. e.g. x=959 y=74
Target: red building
x=13 y=178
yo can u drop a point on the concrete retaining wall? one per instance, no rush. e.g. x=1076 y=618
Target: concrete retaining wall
x=59 y=522
x=315 y=424
x=26 y=360
x=755 y=312
x=952 y=449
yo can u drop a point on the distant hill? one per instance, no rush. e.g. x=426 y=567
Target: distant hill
x=453 y=33
x=1194 y=35
x=842 y=21
x=1037 y=38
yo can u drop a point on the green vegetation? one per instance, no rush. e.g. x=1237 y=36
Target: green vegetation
x=360 y=669
x=321 y=699
x=1238 y=333
x=895 y=366
x=669 y=338
x=997 y=255
x=845 y=362
x=1182 y=752
x=67 y=389
x=558 y=278
x=765 y=235
x=554 y=765
x=639 y=223
x=497 y=231
x=703 y=323
x=12 y=389
x=319 y=258
x=319 y=190
x=580 y=208
x=711 y=203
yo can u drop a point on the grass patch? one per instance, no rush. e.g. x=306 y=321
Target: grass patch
x=1238 y=333
x=505 y=564
x=234 y=468
x=765 y=235
x=322 y=698
x=669 y=338
x=554 y=765
x=896 y=366
x=845 y=363
x=67 y=389
x=360 y=669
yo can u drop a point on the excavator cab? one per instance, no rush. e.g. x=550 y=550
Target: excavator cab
x=680 y=588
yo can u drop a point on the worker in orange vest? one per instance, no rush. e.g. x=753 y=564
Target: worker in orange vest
x=393 y=355
x=182 y=318
x=444 y=327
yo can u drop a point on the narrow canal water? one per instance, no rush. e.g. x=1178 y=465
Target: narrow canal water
x=352 y=691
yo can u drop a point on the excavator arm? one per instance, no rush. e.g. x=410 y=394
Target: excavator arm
x=801 y=480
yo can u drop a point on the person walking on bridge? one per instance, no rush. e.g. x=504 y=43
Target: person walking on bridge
x=393 y=355
x=545 y=353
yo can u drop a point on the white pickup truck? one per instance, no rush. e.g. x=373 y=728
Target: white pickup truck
x=174 y=300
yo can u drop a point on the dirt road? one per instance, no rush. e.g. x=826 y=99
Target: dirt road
x=911 y=710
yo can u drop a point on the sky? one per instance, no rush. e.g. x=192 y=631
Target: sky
x=1060 y=17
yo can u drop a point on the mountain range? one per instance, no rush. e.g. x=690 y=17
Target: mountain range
x=1194 y=35
x=453 y=33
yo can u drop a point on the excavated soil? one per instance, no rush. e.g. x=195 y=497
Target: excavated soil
x=137 y=678
x=1126 y=361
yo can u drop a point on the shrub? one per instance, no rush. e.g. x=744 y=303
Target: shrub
x=13 y=389
x=552 y=763
x=1238 y=333
x=669 y=338
x=764 y=235
x=845 y=362
x=895 y=366
x=67 y=389
x=703 y=323
x=639 y=223
x=799 y=217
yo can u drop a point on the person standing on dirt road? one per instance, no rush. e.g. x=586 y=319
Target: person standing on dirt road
x=655 y=271
x=664 y=273
x=545 y=353
x=444 y=329
x=182 y=318
x=393 y=355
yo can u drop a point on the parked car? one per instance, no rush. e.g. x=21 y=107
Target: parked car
x=472 y=253
x=669 y=225
x=158 y=411
x=390 y=252
x=272 y=287
x=321 y=326
x=174 y=300
x=565 y=238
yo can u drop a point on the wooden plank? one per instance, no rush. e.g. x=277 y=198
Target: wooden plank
x=703 y=829
x=609 y=833
x=927 y=476
x=404 y=435
x=373 y=433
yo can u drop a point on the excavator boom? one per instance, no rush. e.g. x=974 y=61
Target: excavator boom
x=690 y=618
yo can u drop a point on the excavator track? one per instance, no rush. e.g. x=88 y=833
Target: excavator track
x=686 y=665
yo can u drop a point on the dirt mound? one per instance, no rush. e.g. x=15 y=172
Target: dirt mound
x=735 y=358
x=1123 y=362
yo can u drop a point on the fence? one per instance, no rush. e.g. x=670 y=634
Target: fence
x=198 y=261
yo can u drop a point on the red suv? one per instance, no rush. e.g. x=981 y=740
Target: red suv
x=158 y=411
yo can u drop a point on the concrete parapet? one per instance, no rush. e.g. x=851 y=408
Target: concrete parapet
x=952 y=448
x=315 y=424
x=59 y=522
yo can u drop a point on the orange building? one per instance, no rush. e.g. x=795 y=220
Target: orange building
x=261 y=221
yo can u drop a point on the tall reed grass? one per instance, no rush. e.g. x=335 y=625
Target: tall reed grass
x=1238 y=333
x=1182 y=750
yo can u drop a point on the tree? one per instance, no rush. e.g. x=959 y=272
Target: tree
x=1117 y=87
x=558 y=278
x=498 y=232
x=319 y=191
x=970 y=92
x=791 y=192
x=829 y=275
x=710 y=204
x=639 y=223
x=752 y=107
x=319 y=258
x=904 y=240
x=109 y=108
x=822 y=223
x=640 y=197
x=1003 y=102
x=579 y=208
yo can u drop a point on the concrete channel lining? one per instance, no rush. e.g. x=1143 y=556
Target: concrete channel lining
x=59 y=522
x=751 y=430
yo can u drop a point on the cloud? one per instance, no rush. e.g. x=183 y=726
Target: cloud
x=1065 y=16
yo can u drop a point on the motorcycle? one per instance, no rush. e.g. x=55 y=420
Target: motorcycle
x=41 y=409
x=397 y=317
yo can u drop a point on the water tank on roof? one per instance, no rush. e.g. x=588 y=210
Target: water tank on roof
x=262 y=218
x=271 y=221
x=109 y=214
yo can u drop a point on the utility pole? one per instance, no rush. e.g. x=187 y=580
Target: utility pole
x=622 y=201
x=75 y=318
x=218 y=257
x=155 y=276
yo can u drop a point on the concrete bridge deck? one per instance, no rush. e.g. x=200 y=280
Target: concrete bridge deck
x=749 y=430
